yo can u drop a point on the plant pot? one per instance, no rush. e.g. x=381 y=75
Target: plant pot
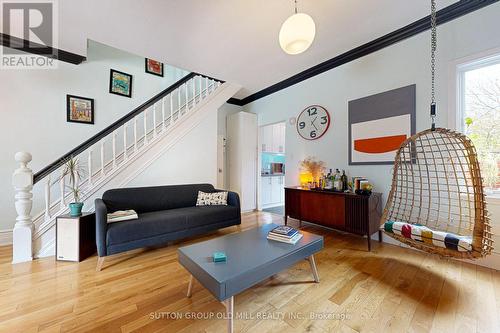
x=75 y=208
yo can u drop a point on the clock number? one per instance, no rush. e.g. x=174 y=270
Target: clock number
x=313 y=134
x=302 y=125
x=314 y=111
x=324 y=120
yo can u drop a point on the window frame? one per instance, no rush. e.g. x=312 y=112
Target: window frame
x=456 y=91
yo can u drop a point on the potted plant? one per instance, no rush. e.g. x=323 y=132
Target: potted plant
x=73 y=169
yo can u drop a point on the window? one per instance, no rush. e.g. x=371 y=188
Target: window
x=479 y=115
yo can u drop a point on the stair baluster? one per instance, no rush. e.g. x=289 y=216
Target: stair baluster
x=47 y=198
x=89 y=165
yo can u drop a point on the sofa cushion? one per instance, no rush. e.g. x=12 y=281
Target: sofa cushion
x=147 y=225
x=156 y=198
x=154 y=224
x=203 y=215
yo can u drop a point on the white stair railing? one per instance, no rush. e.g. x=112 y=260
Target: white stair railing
x=174 y=106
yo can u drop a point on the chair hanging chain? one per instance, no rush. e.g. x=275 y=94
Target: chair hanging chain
x=433 y=62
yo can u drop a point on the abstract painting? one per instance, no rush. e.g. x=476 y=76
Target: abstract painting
x=79 y=109
x=154 y=67
x=120 y=83
x=378 y=124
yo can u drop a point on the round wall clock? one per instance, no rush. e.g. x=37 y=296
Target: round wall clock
x=313 y=122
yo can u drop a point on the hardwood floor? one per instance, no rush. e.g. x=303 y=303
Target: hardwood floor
x=390 y=289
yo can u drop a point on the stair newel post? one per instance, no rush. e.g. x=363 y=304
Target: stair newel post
x=22 y=235
x=125 y=152
x=62 y=186
x=102 y=158
x=135 y=133
x=164 y=125
x=154 y=120
x=114 y=148
x=89 y=165
x=171 y=109
x=145 y=127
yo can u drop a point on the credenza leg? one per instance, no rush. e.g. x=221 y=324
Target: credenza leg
x=286 y=219
x=369 y=242
x=380 y=236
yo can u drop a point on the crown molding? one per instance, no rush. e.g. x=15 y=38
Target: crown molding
x=444 y=15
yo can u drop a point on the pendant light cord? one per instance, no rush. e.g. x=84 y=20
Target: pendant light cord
x=295 y=6
x=433 y=63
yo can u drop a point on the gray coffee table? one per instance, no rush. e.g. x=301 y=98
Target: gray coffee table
x=251 y=258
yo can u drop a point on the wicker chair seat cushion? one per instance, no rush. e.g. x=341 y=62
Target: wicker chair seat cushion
x=426 y=235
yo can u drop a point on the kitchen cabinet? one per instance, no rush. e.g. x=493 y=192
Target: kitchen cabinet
x=279 y=138
x=272 y=191
x=272 y=138
x=275 y=190
x=266 y=188
x=266 y=135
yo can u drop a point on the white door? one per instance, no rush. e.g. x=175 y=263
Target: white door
x=220 y=161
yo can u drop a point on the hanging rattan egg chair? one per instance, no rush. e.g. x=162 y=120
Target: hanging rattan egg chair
x=437 y=184
x=436 y=203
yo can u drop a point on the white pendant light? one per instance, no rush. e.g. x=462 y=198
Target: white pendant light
x=297 y=33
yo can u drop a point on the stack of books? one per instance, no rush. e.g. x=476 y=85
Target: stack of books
x=284 y=234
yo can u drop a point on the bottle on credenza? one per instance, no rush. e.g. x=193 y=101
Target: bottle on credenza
x=337 y=181
x=344 y=181
x=328 y=180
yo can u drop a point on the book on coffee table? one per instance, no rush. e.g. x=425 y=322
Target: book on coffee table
x=284 y=234
x=292 y=240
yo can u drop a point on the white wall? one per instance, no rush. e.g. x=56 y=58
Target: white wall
x=396 y=66
x=33 y=109
x=192 y=160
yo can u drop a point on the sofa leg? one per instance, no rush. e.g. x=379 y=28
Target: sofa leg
x=100 y=262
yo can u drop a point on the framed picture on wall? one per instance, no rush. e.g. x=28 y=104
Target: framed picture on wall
x=79 y=109
x=379 y=124
x=154 y=67
x=120 y=83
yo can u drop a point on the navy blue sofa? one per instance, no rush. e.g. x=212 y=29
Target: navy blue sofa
x=166 y=213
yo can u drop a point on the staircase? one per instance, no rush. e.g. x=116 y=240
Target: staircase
x=111 y=158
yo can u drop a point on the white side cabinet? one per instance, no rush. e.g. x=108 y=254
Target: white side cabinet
x=242 y=157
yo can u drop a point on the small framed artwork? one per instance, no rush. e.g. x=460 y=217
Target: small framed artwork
x=154 y=67
x=120 y=83
x=79 y=109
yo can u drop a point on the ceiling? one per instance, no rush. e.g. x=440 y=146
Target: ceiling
x=233 y=40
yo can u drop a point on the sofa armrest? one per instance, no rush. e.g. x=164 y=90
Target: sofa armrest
x=101 y=227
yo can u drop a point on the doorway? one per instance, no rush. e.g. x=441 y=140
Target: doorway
x=272 y=171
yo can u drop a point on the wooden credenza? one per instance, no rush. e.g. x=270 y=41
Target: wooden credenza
x=353 y=213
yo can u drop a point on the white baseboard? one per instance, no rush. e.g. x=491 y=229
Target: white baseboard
x=5 y=237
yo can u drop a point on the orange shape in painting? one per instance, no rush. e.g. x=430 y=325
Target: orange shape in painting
x=379 y=145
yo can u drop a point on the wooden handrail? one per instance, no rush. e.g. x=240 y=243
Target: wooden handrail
x=108 y=130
